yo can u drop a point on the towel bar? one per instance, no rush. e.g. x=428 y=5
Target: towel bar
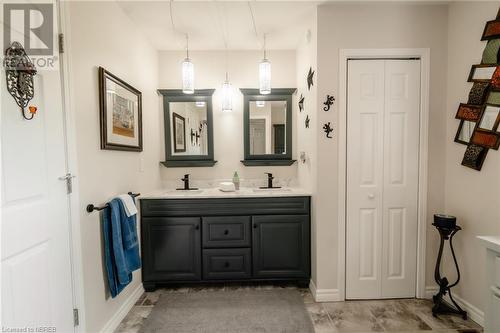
x=90 y=207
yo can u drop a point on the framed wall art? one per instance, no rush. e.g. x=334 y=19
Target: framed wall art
x=120 y=113
x=474 y=157
x=482 y=73
x=491 y=30
x=179 y=129
x=469 y=112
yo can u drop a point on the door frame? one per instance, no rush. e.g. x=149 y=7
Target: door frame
x=71 y=166
x=424 y=55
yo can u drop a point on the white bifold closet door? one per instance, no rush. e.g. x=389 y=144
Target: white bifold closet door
x=382 y=178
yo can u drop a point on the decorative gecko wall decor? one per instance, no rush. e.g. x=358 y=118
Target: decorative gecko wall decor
x=328 y=103
x=328 y=129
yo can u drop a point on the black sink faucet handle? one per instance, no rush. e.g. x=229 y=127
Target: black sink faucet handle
x=269 y=179
x=186 y=181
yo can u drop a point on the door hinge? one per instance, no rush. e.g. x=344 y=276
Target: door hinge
x=61 y=43
x=76 y=318
x=69 y=182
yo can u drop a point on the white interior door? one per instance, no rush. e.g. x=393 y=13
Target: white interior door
x=35 y=258
x=382 y=178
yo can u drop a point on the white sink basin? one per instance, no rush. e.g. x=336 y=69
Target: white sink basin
x=258 y=190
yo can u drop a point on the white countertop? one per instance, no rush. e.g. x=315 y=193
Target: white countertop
x=490 y=242
x=216 y=193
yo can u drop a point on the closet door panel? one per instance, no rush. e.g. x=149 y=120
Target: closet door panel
x=400 y=186
x=365 y=119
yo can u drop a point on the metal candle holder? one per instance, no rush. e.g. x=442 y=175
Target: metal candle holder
x=446 y=225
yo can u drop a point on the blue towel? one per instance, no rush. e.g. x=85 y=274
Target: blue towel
x=121 y=248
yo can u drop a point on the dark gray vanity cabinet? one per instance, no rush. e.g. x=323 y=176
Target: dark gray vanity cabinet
x=171 y=248
x=280 y=246
x=220 y=240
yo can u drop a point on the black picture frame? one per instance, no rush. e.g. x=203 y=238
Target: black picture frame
x=473 y=70
x=177 y=161
x=180 y=118
x=485 y=35
x=106 y=142
x=459 y=130
x=277 y=94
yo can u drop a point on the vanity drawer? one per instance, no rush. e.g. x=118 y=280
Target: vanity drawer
x=226 y=231
x=497 y=272
x=226 y=264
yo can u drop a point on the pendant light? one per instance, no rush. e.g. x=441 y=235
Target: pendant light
x=227 y=98
x=265 y=73
x=187 y=72
x=227 y=90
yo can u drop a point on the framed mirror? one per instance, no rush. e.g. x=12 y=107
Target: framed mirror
x=188 y=128
x=267 y=127
x=490 y=118
x=465 y=131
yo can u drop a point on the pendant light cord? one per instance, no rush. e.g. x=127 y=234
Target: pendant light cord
x=175 y=29
x=255 y=28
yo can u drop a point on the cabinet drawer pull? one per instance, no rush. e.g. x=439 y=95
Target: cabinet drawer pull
x=226 y=264
x=255 y=225
x=197 y=227
x=226 y=232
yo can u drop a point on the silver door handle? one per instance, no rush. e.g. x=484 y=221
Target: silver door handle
x=67 y=176
x=371 y=195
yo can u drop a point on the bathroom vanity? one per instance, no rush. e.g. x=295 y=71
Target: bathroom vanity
x=211 y=236
x=492 y=291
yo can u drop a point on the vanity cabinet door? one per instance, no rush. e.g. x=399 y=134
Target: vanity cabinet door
x=171 y=249
x=281 y=246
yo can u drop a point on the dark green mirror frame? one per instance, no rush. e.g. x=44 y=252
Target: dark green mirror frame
x=277 y=94
x=176 y=161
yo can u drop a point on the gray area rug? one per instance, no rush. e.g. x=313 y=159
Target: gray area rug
x=246 y=311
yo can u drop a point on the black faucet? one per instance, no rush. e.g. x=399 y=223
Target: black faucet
x=270 y=181
x=186 y=184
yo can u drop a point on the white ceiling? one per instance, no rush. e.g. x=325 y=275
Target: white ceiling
x=206 y=22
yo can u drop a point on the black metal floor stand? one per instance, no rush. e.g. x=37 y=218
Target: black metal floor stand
x=440 y=307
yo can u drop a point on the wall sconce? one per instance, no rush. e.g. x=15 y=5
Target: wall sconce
x=19 y=74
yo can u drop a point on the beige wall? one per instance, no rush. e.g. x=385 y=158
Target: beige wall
x=101 y=35
x=228 y=127
x=306 y=57
x=375 y=25
x=472 y=196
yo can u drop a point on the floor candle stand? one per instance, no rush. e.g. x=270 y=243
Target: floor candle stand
x=446 y=232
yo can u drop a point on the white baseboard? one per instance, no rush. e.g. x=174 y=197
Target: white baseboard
x=117 y=318
x=324 y=295
x=473 y=312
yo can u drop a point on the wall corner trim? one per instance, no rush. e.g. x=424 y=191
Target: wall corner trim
x=122 y=312
x=473 y=312
x=324 y=295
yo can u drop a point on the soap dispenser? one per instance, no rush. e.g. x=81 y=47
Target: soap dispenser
x=236 y=181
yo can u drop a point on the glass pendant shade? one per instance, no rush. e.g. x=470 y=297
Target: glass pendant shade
x=187 y=76
x=265 y=77
x=227 y=98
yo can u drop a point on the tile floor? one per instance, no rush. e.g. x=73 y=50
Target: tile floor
x=408 y=315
